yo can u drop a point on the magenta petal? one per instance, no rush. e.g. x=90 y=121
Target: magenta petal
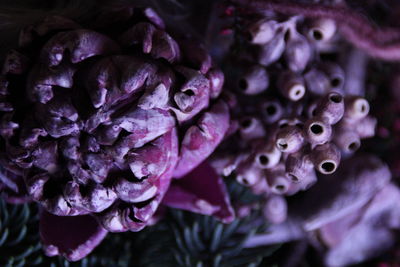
x=73 y=237
x=201 y=140
x=201 y=191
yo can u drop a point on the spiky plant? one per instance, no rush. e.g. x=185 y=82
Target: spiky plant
x=19 y=241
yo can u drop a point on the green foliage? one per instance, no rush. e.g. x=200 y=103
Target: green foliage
x=19 y=239
x=180 y=239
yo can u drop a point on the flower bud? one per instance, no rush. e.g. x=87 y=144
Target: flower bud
x=326 y=158
x=331 y=108
x=292 y=86
x=275 y=209
x=317 y=130
x=289 y=139
x=254 y=81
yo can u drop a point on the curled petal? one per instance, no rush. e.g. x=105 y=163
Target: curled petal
x=201 y=140
x=193 y=96
x=134 y=191
x=81 y=44
x=150 y=161
x=72 y=237
x=142 y=34
x=145 y=126
x=45 y=156
x=42 y=80
x=15 y=63
x=200 y=60
x=202 y=191
x=217 y=79
x=164 y=46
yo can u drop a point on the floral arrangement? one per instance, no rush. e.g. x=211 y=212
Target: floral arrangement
x=134 y=133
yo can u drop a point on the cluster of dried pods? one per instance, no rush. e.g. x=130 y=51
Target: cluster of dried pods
x=295 y=115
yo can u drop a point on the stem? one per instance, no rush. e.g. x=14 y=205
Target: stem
x=381 y=43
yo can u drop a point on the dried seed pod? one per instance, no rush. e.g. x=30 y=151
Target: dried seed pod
x=254 y=81
x=347 y=140
x=322 y=30
x=299 y=168
x=312 y=109
x=318 y=82
x=275 y=209
x=331 y=108
x=326 y=158
x=267 y=155
x=365 y=128
x=289 y=139
x=298 y=50
x=335 y=75
x=277 y=180
x=251 y=128
x=273 y=50
x=261 y=187
x=317 y=130
x=356 y=108
x=261 y=32
x=291 y=86
x=248 y=174
x=271 y=110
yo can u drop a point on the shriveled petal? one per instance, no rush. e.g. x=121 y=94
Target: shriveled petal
x=202 y=191
x=201 y=140
x=72 y=237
